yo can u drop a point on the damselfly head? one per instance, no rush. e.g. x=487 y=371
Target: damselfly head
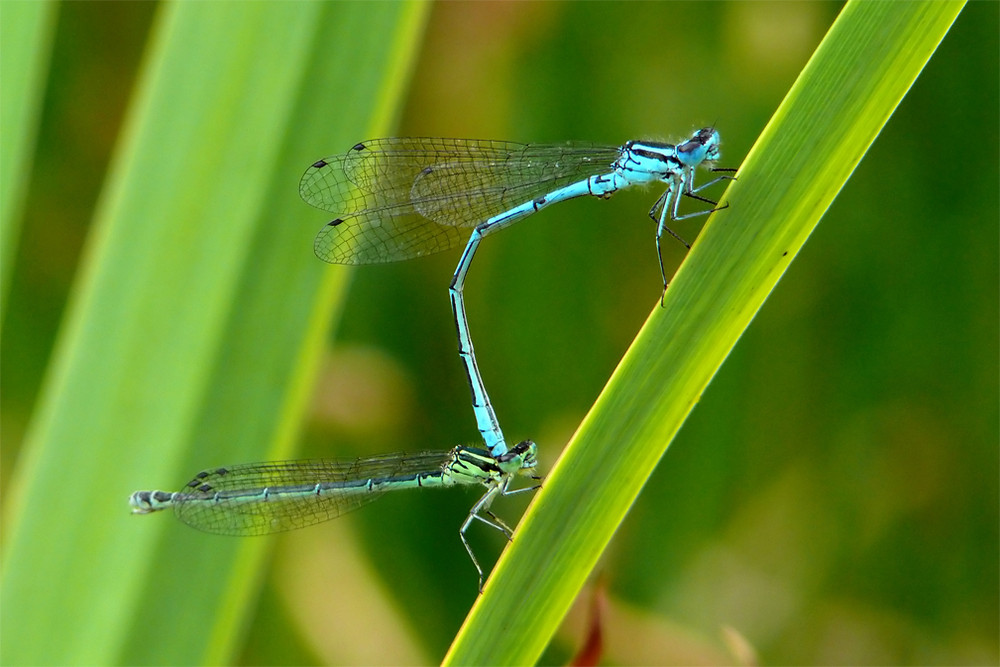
x=527 y=452
x=703 y=146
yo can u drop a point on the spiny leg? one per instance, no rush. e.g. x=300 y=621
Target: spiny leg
x=670 y=204
x=692 y=192
x=655 y=215
x=482 y=505
x=717 y=179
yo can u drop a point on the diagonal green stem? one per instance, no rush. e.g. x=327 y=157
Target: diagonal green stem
x=848 y=91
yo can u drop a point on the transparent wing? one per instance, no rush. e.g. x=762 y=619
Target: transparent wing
x=409 y=197
x=232 y=501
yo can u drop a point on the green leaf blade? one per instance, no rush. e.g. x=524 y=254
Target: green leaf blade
x=802 y=160
x=195 y=330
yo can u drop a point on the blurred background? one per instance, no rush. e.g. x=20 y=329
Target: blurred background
x=834 y=496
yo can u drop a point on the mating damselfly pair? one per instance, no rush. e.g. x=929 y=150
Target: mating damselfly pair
x=409 y=197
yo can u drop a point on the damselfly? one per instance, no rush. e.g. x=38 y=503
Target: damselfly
x=264 y=498
x=409 y=197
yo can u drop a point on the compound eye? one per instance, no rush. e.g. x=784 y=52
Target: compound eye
x=690 y=145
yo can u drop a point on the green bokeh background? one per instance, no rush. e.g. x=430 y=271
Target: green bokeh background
x=833 y=498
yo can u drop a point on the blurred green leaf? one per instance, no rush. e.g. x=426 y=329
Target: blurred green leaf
x=830 y=117
x=26 y=34
x=194 y=329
